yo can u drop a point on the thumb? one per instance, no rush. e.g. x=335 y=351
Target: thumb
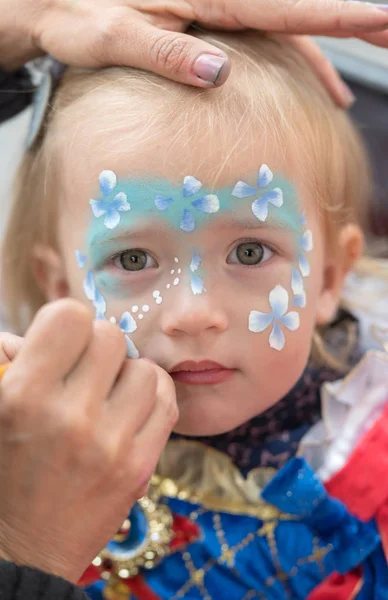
x=174 y=55
x=9 y=346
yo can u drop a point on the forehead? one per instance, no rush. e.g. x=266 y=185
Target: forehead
x=153 y=158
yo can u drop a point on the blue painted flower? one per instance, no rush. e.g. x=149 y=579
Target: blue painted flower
x=306 y=245
x=195 y=261
x=110 y=208
x=260 y=206
x=258 y=321
x=298 y=288
x=127 y=325
x=94 y=295
x=196 y=280
x=205 y=204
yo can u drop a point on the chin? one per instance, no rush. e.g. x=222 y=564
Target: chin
x=192 y=424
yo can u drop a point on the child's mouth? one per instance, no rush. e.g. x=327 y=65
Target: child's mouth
x=204 y=372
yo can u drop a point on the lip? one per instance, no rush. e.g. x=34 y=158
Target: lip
x=204 y=372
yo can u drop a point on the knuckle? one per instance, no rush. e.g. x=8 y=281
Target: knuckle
x=170 y=53
x=16 y=401
x=75 y=430
x=111 y=31
x=69 y=314
x=112 y=338
x=170 y=407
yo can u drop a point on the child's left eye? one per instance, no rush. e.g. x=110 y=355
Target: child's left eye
x=249 y=254
x=134 y=260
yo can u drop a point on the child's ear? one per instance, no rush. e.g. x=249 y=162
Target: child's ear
x=337 y=266
x=49 y=271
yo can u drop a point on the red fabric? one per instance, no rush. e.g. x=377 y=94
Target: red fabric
x=140 y=589
x=338 y=587
x=89 y=576
x=185 y=532
x=362 y=484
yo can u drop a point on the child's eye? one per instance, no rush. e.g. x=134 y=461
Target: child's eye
x=250 y=254
x=134 y=260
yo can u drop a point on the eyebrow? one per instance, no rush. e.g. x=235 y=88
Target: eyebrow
x=122 y=234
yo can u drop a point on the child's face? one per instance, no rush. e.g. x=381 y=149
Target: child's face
x=221 y=289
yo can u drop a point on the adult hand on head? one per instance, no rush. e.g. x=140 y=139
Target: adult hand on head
x=81 y=430
x=150 y=33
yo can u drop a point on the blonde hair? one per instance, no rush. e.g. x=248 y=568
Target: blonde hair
x=270 y=86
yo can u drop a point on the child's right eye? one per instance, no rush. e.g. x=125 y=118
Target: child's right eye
x=134 y=260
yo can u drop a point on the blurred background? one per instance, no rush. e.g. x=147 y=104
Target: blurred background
x=364 y=67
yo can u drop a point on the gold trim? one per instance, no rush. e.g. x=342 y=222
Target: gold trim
x=198 y=474
x=154 y=548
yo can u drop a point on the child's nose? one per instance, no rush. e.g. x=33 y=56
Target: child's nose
x=193 y=314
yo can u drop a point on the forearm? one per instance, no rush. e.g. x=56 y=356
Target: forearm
x=24 y=582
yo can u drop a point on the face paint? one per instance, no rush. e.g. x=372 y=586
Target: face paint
x=271 y=201
x=260 y=206
x=189 y=207
x=278 y=298
x=110 y=207
x=81 y=259
x=196 y=280
x=258 y=321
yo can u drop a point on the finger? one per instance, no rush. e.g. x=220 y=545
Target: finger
x=377 y=39
x=55 y=341
x=10 y=346
x=174 y=55
x=132 y=399
x=157 y=429
x=99 y=366
x=328 y=75
x=304 y=16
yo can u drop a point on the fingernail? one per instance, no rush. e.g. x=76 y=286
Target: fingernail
x=212 y=69
x=347 y=95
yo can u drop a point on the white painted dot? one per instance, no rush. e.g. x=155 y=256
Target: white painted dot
x=159 y=300
x=168 y=286
x=140 y=316
x=176 y=281
x=172 y=272
x=113 y=320
x=135 y=309
x=156 y=293
x=145 y=308
x=176 y=259
x=179 y=271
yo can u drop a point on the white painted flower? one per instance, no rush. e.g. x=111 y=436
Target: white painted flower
x=258 y=321
x=110 y=208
